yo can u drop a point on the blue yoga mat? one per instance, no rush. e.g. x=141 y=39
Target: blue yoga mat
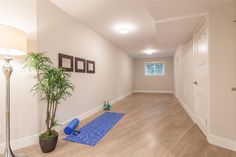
x=93 y=132
x=71 y=126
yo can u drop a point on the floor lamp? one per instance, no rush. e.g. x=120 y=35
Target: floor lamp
x=13 y=42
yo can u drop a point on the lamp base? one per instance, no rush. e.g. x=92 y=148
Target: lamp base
x=9 y=153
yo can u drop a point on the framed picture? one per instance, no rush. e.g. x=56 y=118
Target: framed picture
x=80 y=65
x=90 y=66
x=66 y=62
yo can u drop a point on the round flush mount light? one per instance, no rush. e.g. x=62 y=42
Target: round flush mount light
x=149 y=51
x=124 y=28
x=123 y=31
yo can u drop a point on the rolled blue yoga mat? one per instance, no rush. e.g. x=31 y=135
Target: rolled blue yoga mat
x=71 y=126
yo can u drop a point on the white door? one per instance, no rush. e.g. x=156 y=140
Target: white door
x=201 y=78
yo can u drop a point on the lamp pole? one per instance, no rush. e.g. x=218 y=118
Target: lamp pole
x=13 y=42
x=7 y=70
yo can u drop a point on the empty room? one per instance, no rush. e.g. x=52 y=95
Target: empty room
x=118 y=78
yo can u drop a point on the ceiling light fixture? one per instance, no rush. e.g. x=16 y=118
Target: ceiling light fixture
x=123 y=31
x=124 y=28
x=149 y=52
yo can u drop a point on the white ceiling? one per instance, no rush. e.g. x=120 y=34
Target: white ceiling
x=156 y=24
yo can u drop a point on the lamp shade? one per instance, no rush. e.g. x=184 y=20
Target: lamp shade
x=13 y=42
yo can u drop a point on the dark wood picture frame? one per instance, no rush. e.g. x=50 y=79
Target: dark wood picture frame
x=89 y=63
x=68 y=57
x=77 y=69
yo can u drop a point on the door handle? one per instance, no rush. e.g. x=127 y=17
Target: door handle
x=234 y=89
x=195 y=82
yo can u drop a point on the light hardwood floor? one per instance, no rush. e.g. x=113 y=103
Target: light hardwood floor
x=155 y=125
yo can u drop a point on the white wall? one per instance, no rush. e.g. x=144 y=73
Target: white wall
x=20 y=14
x=183 y=61
x=222 y=60
x=144 y=83
x=60 y=33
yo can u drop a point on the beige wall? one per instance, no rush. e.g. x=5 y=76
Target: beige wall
x=222 y=58
x=154 y=83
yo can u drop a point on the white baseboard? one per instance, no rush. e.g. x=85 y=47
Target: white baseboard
x=212 y=139
x=189 y=112
x=153 y=91
x=21 y=143
x=120 y=97
x=92 y=111
x=80 y=117
x=31 y=140
x=222 y=142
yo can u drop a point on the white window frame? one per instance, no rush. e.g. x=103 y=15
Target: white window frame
x=156 y=62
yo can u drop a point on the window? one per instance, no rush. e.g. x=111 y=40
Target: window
x=155 y=69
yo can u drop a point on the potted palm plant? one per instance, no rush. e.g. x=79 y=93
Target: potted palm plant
x=54 y=85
